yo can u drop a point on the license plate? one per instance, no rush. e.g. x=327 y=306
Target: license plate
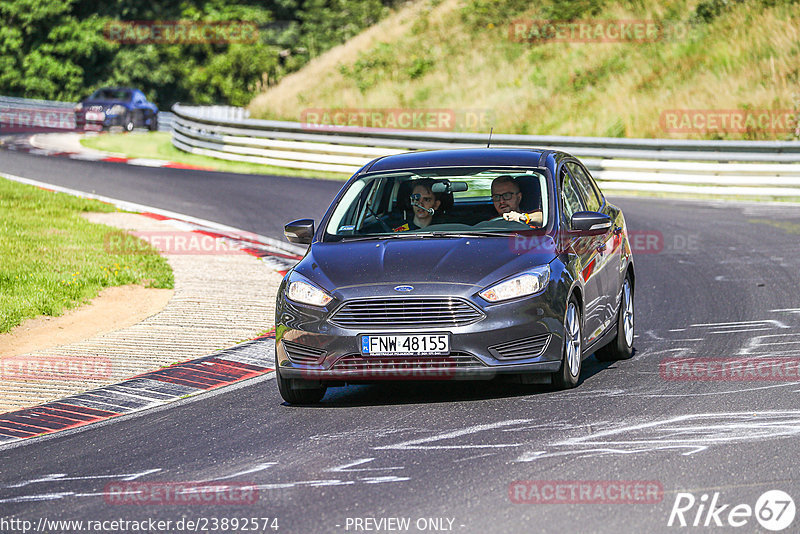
x=406 y=345
x=95 y=116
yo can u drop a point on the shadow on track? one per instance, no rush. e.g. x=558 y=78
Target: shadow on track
x=387 y=392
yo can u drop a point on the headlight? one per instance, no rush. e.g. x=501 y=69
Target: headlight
x=117 y=109
x=305 y=293
x=529 y=283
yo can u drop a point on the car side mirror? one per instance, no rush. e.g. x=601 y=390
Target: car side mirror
x=591 y=222
x=300 y=231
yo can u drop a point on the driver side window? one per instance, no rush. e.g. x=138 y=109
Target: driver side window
x=570 y=197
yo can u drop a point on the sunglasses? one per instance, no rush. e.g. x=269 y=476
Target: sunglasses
x=504 y=196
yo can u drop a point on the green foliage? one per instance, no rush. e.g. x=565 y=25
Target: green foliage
x=371 y=66
x=491 y=13
x=58 y=49
x=419 y=66
x=494 y=13
x=708 y=10
x=572 y=9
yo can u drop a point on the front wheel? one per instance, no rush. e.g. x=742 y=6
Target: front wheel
x=128 y=123
x=154 y=124
x=567 y=377
x=621 y=347
x=296 y=391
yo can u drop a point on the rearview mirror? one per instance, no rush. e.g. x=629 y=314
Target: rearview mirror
x=591 y=222
x=300 y=231
x=446 y=186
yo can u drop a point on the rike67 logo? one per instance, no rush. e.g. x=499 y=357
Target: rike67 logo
x=774 y=510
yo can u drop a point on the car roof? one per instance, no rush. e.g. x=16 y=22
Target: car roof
x=465 y=157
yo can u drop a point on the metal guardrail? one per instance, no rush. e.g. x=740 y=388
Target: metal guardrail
x=738 y=168
x=18 y=113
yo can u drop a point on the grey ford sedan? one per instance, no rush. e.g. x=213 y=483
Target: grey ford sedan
x=456 y=264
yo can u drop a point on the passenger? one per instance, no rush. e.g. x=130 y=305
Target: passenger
x=424 y=203
x=507 y=197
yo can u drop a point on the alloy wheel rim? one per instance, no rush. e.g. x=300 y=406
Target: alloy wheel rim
x=573 y=333
x=627 y=319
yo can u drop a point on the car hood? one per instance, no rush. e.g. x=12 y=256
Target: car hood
x=472 y=262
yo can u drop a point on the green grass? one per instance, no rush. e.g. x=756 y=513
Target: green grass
x=53 y=259
x=158 y=145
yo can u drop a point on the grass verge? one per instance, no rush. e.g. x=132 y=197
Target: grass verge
x=158 y=145
x=53 y=259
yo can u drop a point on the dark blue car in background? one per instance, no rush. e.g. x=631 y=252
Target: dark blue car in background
x=116 y=106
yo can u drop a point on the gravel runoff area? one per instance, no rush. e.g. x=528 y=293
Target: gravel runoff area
x=219 y=300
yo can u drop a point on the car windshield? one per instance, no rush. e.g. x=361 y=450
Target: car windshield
x=441 y=203
x=111 y=94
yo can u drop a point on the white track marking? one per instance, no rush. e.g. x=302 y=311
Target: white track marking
x=778 y=324
x=132 y=206
x=348 y=467
x=692 y=433
x=420 y=443
x=256 y=469
x=61 y=477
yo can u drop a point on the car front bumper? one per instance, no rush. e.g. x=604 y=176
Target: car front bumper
x=523 y=336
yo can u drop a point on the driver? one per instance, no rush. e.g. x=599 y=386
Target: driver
x=424 y=203
x=506 y=197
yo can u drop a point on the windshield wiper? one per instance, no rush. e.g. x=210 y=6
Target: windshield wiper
x=374 y=236
x=476 y=233
x=471 y=234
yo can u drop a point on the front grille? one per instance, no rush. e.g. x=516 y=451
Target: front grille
x=529 y=347
x=406 y=313
x=304 y=354
x=456 y=360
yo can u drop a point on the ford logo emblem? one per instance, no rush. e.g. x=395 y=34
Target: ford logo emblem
x=404 y=289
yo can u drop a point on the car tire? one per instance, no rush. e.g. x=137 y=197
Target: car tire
x=154 y=123
x=621 y=347
x=294 y=395
x=128 y=123
x=570 y=372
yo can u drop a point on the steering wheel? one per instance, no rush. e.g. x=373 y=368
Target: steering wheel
x=383 y=224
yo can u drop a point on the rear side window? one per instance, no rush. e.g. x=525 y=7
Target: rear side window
x=570 y=196
x=584 y=185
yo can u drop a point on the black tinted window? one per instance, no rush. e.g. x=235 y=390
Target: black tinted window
x=584 y=185
x=570 y=196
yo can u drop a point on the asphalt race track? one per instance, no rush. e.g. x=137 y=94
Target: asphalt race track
x=713 y=281
x=257 y=203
